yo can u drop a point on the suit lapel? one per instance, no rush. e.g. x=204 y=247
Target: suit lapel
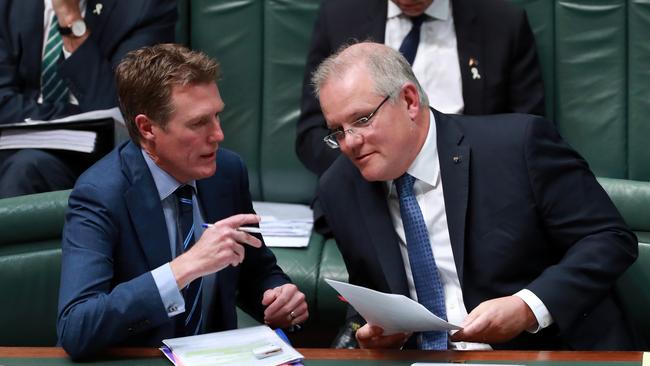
x=144 y=207
x=371 y=199
x=470 y=54
x=454 y=169
x=97 y=14
x=215 y=197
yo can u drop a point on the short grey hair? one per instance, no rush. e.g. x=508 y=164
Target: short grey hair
x=388 y=69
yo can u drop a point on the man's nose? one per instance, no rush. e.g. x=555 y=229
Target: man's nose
x=350 y=140
x=217 y=133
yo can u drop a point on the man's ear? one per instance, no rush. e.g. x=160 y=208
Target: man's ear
x=145 y=126
x=412 y=98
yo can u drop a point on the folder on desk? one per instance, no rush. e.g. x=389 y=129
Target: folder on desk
x=90 y=133
x=232 y=347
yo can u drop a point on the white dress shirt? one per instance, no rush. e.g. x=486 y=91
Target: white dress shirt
x=436 y=64
x=428 y=189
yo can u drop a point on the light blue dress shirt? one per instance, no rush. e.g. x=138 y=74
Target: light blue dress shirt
x=163 y=275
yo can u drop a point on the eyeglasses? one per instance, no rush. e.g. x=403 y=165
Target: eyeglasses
x=332 y=140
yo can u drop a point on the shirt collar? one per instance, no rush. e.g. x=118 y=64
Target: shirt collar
x=421 y=168
x=439 y=9
x=165 y=183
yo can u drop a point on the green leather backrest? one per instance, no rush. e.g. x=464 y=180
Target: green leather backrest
x=30 y=267
x=593 y=53
x=261 y=46
x=594 y=58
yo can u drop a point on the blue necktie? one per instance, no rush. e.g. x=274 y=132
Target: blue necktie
x=423 y=266
x=192 y=292
x=410 y=43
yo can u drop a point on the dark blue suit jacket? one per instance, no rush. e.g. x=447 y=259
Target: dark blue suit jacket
x=115 y=234
x=120 y=27
x=494 y=32
x=523 y=211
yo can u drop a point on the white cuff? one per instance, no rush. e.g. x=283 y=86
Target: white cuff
x=168 y=289
x=544 y=318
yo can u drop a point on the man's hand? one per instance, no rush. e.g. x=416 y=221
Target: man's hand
x=67 y=11
x=495 y=321
x=285 y=306
x=221 y=245
x=371 y=336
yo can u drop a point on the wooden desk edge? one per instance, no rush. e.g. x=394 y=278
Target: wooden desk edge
x=359 y=354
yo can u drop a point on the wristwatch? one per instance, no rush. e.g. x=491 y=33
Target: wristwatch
x=76 y=29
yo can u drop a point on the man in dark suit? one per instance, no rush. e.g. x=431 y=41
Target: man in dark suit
x=131 y=272
x=495 y=215
x=95 y=35
x=474 y=57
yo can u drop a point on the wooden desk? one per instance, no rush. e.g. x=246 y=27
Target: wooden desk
x=27 y=356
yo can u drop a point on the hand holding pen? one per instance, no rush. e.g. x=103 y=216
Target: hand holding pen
x=221 y=245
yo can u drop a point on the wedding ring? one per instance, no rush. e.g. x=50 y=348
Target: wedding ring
x=292 y=315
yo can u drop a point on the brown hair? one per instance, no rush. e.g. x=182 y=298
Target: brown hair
x=146 y=77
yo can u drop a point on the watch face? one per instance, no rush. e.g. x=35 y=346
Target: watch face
x=78 y=28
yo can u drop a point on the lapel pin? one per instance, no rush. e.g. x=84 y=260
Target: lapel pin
x=473 y=68
x=456 y=159
x=98 y=8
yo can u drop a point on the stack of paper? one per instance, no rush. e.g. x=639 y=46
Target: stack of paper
x=255 y=346
x=73 y=133
x=285 y=224
x=72 y=140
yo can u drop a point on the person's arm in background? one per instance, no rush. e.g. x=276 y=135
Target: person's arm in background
x=88 y=71
x=311 y=128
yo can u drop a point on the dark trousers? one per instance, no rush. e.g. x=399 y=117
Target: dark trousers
x=30 y=171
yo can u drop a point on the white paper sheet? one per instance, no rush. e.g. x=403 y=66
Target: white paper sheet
x=394 y=313
x=285 y=224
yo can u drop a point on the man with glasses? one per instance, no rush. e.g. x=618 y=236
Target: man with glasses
x=491 y=222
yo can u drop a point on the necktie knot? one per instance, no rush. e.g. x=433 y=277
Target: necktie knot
x=418 y=20
x=404 y=185
x=184 y=192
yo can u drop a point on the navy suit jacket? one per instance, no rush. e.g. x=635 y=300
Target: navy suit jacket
x=523 y=211
x=120 y=27
x=115 y=234
x=494 y=32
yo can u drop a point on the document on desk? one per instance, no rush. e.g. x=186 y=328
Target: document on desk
x=285 y=225
x=465 y=364
x=394 y=313
x=255 y=346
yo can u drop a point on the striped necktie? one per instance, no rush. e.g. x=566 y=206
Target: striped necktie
x=191 y=323
x=52 y=86
x=423 y=265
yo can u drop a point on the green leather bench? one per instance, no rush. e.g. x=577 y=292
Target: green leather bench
x=594 y=56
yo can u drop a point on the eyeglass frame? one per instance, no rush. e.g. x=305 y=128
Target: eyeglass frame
x=331 y=139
